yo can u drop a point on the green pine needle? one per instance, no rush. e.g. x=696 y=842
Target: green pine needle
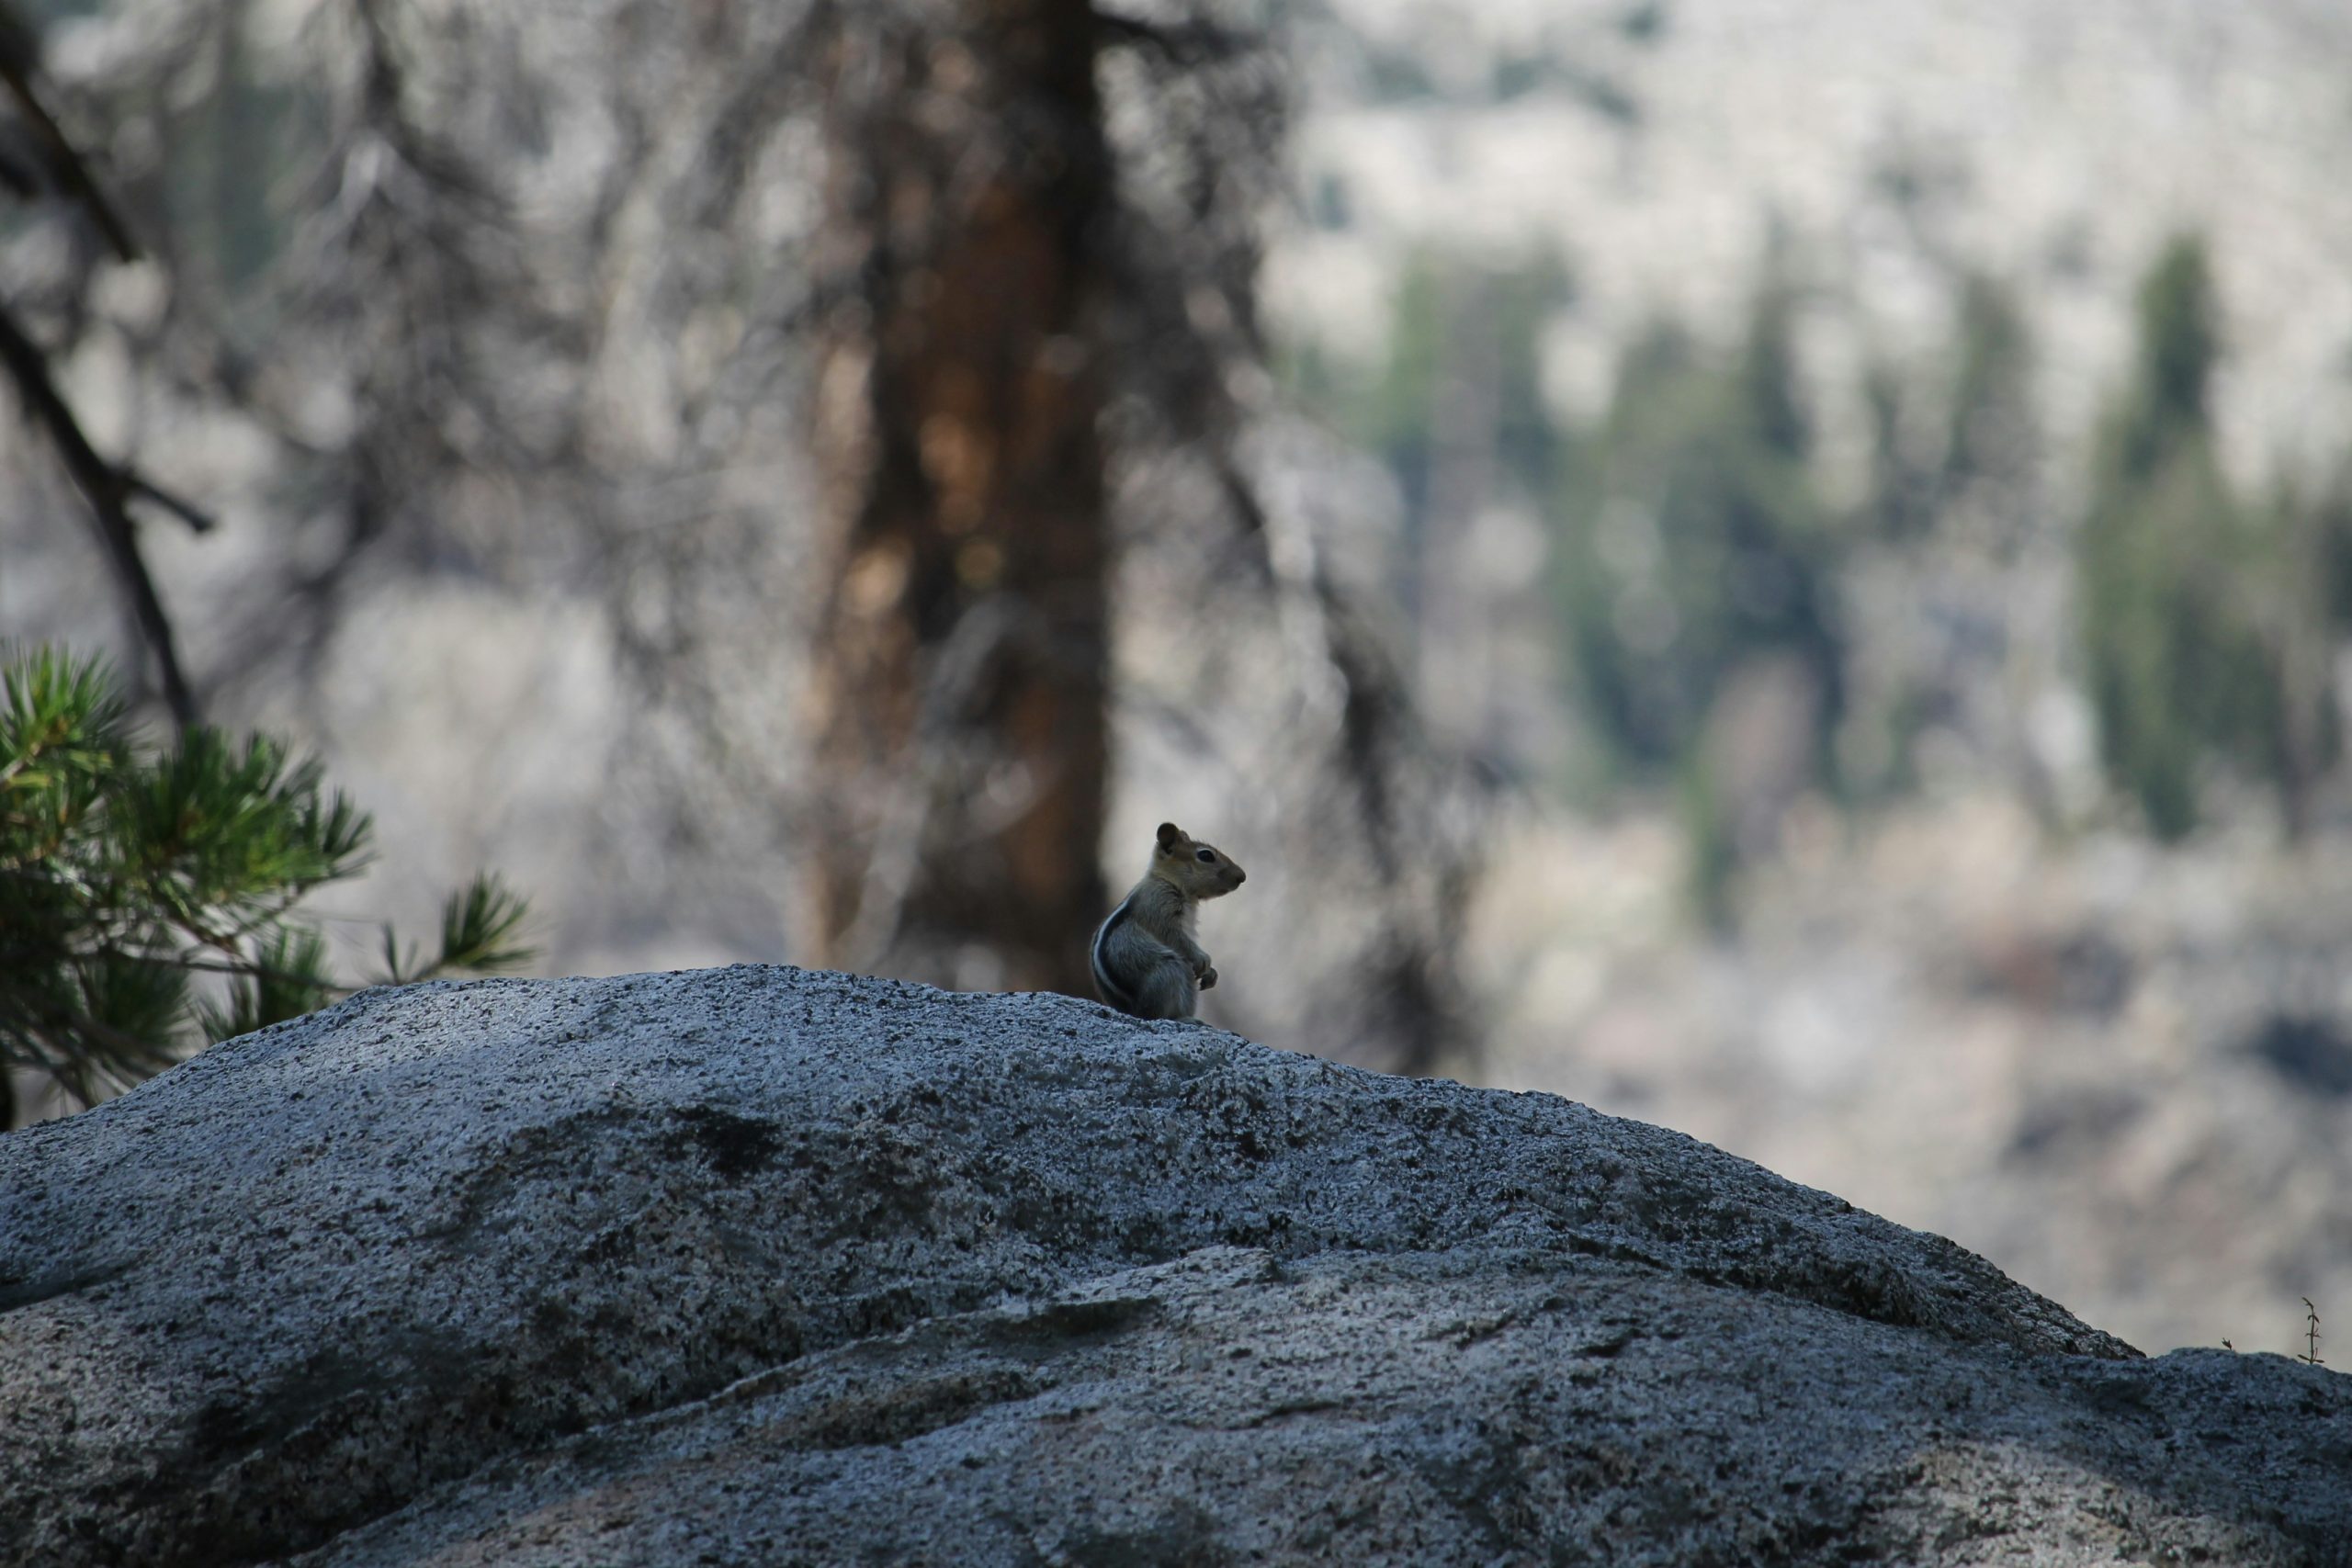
x=477 y=928
x=147 y=901
x=287 y=977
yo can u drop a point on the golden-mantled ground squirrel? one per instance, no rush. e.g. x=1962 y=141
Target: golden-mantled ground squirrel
x=1144 y=959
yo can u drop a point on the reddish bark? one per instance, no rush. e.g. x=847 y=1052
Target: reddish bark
x=960 y=683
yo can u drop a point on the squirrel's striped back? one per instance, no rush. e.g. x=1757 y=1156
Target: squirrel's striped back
x=1099 y=959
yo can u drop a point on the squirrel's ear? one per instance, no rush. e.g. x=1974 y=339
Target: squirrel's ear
x=1169 y=834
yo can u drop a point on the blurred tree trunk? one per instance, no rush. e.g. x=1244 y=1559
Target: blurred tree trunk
x=959 y=686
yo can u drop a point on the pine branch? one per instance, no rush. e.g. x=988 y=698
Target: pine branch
x=128 y=879
x=477 y=928
x=287 y=977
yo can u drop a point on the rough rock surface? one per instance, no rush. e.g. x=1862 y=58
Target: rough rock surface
x=763 y=1266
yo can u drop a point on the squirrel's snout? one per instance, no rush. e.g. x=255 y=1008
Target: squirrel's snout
x=1240 y=876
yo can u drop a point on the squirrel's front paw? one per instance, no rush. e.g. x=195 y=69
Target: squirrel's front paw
x=1207 y=977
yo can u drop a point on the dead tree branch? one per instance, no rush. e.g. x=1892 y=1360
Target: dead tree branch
x=65 y=165
x=107 y=488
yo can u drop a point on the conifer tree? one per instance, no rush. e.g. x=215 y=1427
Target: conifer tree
x=2178 y=669
x=148 y=901
x=1694 y=540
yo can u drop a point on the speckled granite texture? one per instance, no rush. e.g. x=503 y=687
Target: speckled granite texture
x=766 y=1266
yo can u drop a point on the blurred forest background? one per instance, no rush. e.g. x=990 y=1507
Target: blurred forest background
x=1783 y=569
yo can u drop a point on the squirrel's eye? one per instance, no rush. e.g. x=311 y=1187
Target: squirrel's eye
x=1206 y=857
